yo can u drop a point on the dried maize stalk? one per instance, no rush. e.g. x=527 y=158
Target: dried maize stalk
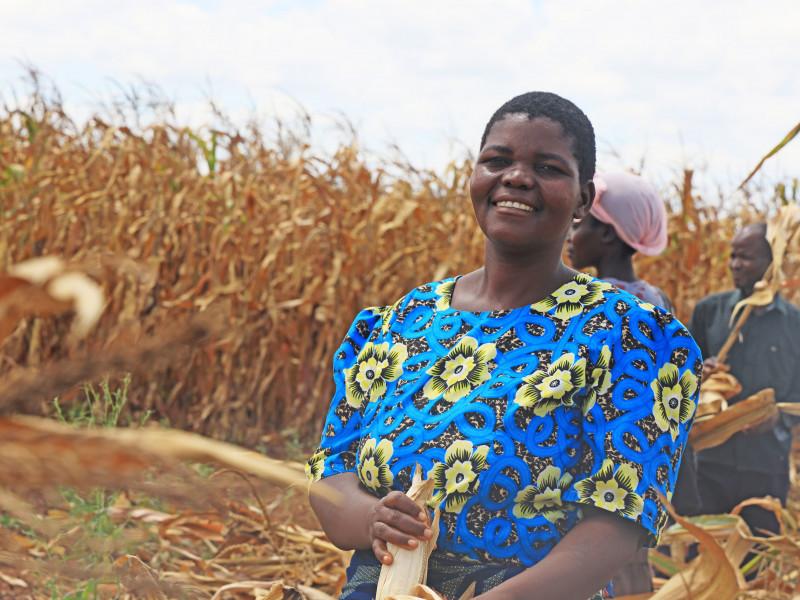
x=757 y=409
x=410 y=567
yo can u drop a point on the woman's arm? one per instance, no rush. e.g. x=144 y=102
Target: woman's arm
x=360 y=520
x=582 y=563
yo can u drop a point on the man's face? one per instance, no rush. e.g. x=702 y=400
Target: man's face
x=750 y=258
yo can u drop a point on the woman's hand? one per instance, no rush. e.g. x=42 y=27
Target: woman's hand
x=398 y=520
x=358 y=520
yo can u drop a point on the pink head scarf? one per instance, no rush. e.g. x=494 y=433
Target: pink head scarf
x=631 y=206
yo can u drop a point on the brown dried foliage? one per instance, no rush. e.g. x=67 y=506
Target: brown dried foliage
x=290 y=245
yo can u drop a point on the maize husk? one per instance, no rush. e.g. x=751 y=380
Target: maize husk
x=419 y=592
x=409 y=568
x=714 y=394
x=750 y=412
x=790 y=408
x=713 y=574
x=423 y=592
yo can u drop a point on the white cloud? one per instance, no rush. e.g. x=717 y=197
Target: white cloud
x=711 y=83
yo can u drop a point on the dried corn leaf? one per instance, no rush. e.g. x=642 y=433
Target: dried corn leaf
x=714 y=393
x=117 y=452
x=763 y=295
x=24 y=299
x=85 y=297
x=38 y=271
x=721 y=383
x=788 y=138
x=44 y=286
x=420 y=592
x=750 y=412
x=714 y=573
x=783 y=230
x=768 y=503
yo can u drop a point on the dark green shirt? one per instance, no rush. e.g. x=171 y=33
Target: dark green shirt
x=767 y=354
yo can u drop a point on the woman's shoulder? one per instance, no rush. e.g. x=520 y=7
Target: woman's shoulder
x=644 y=290
x=625 y=305
x=433 y=295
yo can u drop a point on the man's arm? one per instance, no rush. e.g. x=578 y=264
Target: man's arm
x=582 y=563
x=794 y=395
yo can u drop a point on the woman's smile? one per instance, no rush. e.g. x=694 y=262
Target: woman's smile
x=514 y=206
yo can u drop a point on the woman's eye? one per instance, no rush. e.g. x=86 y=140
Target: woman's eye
x=549 y=169
x=496 y=161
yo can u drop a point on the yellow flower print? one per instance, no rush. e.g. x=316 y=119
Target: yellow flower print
x=373 y=467
x=609 y=495
x=464 y=368
x=459 y=476
x=385 y=313
x=613 y=490
x=376 y=365
x=572 y=297
x=457 y=369
x=599 y=379
x=673 y=398
x=445 y=293
x=547 y=389
x=456 y=479
x=315 y=466
x=544 y=497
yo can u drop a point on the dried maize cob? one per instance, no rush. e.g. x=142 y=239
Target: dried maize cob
x=410 y=567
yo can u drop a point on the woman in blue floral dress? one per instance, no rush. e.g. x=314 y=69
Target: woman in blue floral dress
x=550 y=408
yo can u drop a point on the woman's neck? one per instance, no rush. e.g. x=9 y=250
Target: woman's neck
x=616 y=267
x=510 y=281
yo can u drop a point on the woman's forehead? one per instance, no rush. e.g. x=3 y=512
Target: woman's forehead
x=520 y=129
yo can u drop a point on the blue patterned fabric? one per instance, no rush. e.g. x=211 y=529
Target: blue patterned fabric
x=448 y=575
x=520 y=416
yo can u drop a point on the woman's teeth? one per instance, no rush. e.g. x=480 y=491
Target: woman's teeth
x=511 y=204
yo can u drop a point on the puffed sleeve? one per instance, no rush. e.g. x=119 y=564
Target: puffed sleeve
x=643 y=381
x=336 y=452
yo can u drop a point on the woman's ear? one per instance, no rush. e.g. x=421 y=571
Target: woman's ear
x=585 y=201
x=608 y=235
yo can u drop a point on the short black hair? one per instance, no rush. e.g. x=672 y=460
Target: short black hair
x=571 y=118
x=760 y=229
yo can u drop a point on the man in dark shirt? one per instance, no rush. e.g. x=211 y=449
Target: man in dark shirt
x=753 y=462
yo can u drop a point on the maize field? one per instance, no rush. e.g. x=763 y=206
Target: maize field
x=230 y=264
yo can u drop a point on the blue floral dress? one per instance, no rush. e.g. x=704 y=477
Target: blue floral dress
x=520 y=416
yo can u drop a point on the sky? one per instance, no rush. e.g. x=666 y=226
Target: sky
x=706 y=84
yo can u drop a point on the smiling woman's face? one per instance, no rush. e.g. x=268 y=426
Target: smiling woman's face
x=525 y=187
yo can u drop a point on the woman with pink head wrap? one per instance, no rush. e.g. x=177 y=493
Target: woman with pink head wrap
x=627 y=216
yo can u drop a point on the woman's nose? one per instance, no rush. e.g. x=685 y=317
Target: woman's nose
x=518 y=176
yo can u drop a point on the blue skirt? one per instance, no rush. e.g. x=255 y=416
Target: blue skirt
x=447 y=574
